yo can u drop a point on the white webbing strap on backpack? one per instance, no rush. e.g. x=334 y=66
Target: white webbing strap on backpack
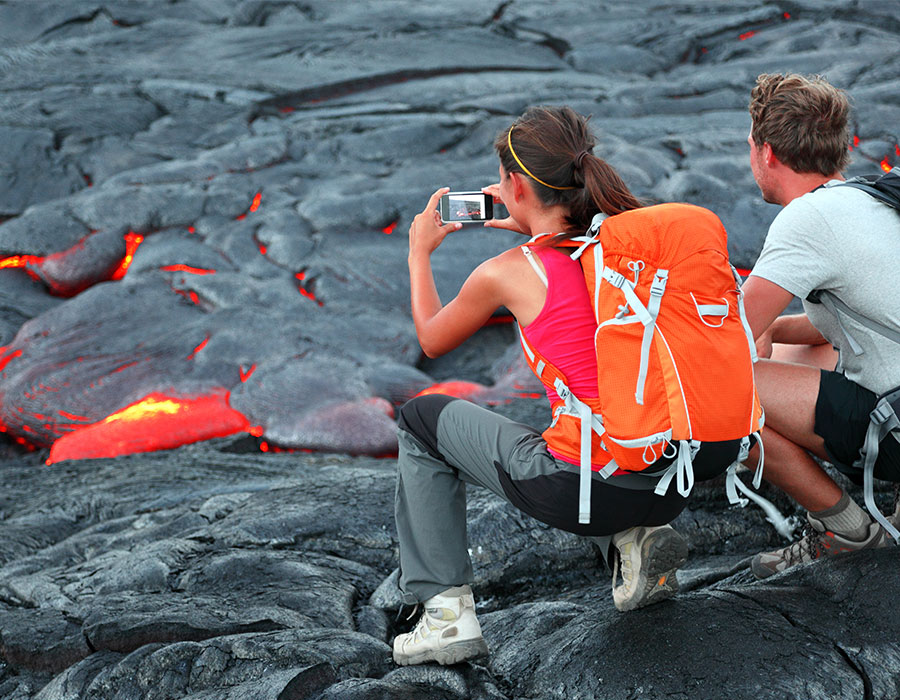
x=784 y=526
x=732 y=482
x=647 y=315
x=882 y=421
x=682 y=469
x=590 y=237
x=590 y=423
x=743 y=315
x=657 y=289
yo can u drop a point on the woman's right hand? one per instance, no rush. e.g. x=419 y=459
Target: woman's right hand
x=427 y=231
x=509 y=223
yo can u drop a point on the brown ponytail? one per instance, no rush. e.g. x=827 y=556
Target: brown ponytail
x=552 y=146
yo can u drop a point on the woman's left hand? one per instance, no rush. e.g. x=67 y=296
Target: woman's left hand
x=509 y=223
x=427 y=231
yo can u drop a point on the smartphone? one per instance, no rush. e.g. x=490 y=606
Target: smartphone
x=466 y=206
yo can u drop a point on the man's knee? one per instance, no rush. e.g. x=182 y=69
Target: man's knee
x=419 y=417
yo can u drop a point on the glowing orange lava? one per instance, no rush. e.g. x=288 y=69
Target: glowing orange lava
x=20 y=261
x=5 y=360
x=188 y=269
x=245 y=375
x=198 y=348
x=254 y=205
x=156 y=422
x=309 y=295
x=458 y=388
x=747 y=35
x=885 y=165
x=132 y=241
x=301 y=276
x=389 y=229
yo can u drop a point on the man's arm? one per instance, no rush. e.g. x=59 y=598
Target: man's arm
x=763 y=303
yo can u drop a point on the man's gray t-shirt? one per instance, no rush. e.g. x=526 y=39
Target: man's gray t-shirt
x=843 y=240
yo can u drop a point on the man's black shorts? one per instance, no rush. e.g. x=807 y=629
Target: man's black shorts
x=842 y=417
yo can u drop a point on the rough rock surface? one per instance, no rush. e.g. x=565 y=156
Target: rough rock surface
x=209 y=199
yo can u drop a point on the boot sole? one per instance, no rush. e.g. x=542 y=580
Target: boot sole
x=663 y=552
x=449 y=655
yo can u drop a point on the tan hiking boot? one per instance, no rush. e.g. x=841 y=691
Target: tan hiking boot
x=647 y=558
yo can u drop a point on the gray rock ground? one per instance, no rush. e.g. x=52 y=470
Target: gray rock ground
x=270 y=155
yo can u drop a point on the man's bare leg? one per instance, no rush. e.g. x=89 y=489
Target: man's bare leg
x=788 y=393
x=823 y=356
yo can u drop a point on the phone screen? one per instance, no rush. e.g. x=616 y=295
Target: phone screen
x=466 y=206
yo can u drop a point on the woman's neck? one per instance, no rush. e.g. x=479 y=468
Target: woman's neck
x=548 y=220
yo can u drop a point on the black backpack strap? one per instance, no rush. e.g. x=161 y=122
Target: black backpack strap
x=885 y=188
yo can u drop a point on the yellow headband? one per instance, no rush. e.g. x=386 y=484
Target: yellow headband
x=527 y=171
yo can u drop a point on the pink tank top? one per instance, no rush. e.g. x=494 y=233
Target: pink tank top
x=563 y=331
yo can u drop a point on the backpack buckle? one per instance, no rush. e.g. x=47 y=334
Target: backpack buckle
x=881 y=413
x=616 y=279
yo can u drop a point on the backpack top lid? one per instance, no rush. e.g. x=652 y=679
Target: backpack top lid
x=673 y=236
x=664 y=233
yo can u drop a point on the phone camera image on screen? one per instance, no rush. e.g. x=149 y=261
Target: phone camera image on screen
x=466 y=206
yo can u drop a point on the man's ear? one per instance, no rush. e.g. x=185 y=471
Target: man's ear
x=769 y=157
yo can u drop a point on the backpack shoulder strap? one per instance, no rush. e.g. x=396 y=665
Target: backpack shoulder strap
x=885 y=188
x=835 y=305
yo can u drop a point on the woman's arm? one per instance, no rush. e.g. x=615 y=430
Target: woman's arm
x=442 y=328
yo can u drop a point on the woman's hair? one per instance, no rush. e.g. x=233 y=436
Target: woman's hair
x=552 y=147
x=803 y=119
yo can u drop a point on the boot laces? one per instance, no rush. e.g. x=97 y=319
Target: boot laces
x=810 y=546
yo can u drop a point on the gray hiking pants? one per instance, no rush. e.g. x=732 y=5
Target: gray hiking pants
x=446 y=443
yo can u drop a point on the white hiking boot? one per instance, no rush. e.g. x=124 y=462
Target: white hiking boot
x=647 y=558
x=448 y=631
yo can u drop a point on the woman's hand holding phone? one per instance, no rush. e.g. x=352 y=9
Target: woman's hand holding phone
x=426 y=232
x=509 y=223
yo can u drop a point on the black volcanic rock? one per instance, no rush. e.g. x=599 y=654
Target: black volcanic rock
x=264 y=160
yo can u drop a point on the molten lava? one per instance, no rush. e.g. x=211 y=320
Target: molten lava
x=188 y=269
x=254 y=205
x=302 y=288
x=198 y=348
x=132 y=242
x=458 y=388
x=389 y=229
x=24 y=262
x=156 y=422
x=5 y=359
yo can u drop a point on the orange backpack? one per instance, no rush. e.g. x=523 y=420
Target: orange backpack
x=674 y=352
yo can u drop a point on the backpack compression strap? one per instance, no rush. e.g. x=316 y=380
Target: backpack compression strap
x=882 y=421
